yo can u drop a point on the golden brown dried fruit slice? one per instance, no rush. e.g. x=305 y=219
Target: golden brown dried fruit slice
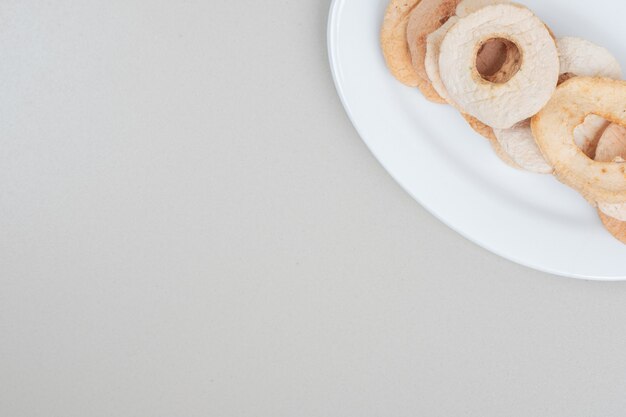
x=479 y=127
x=516 y=88
x=616 y=227
x=394 y=43
x=553 y=129
x=487 y=132
x=427 y=17
x=612 y=148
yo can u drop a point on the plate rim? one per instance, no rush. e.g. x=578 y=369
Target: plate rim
x=334 y=13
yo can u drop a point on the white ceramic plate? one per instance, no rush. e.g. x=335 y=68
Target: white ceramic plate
x=429 y=149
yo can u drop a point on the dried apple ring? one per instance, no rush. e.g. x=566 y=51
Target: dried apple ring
x=426 y=18
x=612 y=148
x=553 y=129
x=520 y=85
x=467 y=7
x=394 y=43
x=582 y=58
x=488 y=57
x=431 y=62
x=518 y=142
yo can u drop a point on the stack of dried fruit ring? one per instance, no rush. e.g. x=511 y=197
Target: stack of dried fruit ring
x=500 y=65
x=518 y=86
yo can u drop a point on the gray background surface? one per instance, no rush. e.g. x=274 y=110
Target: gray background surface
x=190 y=226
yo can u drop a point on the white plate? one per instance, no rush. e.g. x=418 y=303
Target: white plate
x=429 y=149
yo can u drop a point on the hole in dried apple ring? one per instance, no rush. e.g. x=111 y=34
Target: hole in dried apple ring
x=498 y=60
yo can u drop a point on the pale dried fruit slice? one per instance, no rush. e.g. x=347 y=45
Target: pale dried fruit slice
x=433 y=46
x=487 y=61
x=586 y=59
x=612 y=148
x=616 y=227
x=524 y=81
x=394 y=43
x=518 y=142
x=614 y=210
x=553 y=129
x=612 y=144
x=467 y=7
x=488 y=57
x=427 y=17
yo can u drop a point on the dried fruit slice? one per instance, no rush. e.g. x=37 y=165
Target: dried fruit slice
x=612 y=144
x=615 y=210
x=612 y=148
x=488 y=57
x=487 y=132
x=615 y=227
x=518 y=142
x=553 y=129
x=520 y=85
x=427 y=17
x=467 y=7
x=586 y=59
x=433 y=47
x=394 y=43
